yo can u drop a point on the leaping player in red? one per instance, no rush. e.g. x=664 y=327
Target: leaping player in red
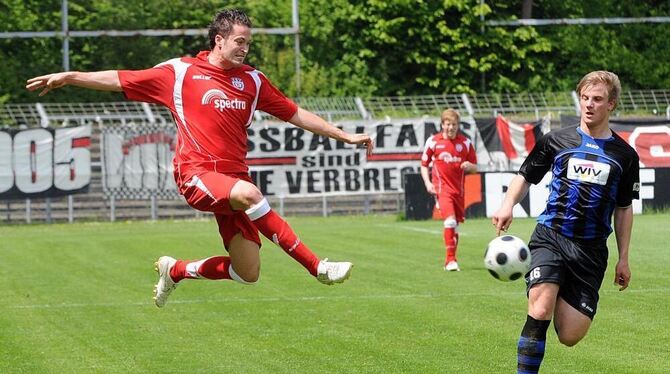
x=212 y=98
x=452 y=155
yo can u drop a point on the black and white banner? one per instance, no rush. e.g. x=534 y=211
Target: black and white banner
x=137 y=160
x=44 y=162
x=504 y=144
x=286 y=160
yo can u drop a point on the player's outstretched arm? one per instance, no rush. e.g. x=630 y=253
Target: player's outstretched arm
x=502 y=219
x=623 y=226
x=107 y=80
x=313 y=123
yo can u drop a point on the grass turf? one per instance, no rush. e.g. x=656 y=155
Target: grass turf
x=77 y=298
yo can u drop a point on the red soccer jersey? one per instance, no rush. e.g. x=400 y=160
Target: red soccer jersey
x=446 y=156
x=212 y=109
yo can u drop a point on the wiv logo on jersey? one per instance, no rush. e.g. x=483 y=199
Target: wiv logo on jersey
x=588 y=171
x=221 y=101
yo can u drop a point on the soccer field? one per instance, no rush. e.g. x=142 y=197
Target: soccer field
x=77 y=299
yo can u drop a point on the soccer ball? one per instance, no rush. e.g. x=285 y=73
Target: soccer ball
x=507 y=258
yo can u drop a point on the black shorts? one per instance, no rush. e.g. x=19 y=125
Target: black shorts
x=577 y=266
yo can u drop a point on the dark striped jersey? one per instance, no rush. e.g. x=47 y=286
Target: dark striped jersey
x=590 y=177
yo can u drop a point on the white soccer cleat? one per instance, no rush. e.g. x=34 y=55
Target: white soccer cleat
x=165 y=285
x=333 y=272
x=452 y=266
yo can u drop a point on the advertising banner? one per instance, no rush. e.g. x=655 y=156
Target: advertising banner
x=44 y=162
x=287 y=161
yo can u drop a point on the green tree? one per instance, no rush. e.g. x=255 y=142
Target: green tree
x=353 y=47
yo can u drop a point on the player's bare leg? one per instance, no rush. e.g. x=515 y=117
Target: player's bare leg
x=571 y=325
x=245 y=260
x=242 y=266
x=542 y=300
x=245 y=196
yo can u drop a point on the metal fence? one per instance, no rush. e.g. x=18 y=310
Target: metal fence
x=95 y=206
x=639 y=102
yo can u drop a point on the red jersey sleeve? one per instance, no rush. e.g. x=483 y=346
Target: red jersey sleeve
x=273 y=101
x=428 y=150
x=155 y=85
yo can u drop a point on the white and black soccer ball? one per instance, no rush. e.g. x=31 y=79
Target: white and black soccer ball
x=507 y=258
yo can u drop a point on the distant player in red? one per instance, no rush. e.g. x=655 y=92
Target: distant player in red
x=212 y=98
x=451 y=155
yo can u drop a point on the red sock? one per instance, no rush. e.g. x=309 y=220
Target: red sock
x=273 y=227
x=450 y=241
x=209 y=268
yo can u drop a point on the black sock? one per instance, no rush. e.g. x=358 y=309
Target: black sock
x=530 y=350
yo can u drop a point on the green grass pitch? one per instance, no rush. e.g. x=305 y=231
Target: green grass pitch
x=76 y=298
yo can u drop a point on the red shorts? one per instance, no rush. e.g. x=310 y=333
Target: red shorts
x=451 y=205
x=209 y=191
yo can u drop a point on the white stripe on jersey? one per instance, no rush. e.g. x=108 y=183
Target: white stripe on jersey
x=254 y=74
x=180 y=69
x=430 y=144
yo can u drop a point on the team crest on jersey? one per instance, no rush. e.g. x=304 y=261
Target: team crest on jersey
x=459 y=147
x=238 y=83
x=588 y=171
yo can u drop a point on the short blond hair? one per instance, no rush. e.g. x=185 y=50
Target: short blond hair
x=608 y=78
x=451 y=114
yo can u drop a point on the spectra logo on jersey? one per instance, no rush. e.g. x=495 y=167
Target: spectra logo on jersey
x=448 y=157
x=221 y=101
x=588 y=171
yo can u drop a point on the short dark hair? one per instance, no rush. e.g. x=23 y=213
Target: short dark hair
x=223 y=22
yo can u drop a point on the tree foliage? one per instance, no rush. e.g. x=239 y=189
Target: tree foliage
x=354 y=47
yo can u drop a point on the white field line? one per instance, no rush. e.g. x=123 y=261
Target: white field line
x=243 y=300
x=437 y=231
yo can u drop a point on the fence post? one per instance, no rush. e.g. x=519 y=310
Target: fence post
x=70 y=209
x=467 y=104
x=28 y=211
x=48 y=210
x=361 y=108
x=154 y=208
x=44 y=117
x=324 y=206
x=575 y=101
x=366 y=204
x=281 y=205
x=112 y=208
